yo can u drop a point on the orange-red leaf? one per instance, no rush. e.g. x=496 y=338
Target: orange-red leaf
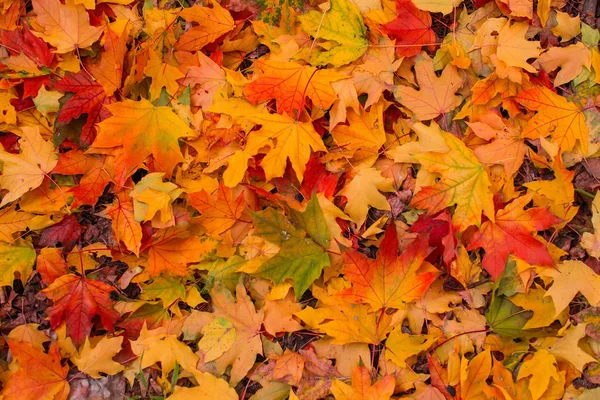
x=77 y=300
x=219 y=212
x=411 y=29
x=512 y=234
x=289 y=83
x=40 y=376
x=389 y=281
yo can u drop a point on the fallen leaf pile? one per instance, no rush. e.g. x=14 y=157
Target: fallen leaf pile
x=273 y=199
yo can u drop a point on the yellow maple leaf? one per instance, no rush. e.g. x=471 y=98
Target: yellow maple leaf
x=98 y=359
x=26 y=171
x=435 y=95
x=541 y=367
x=154 y=346
x=572 y=277
x=362 y=389
x=513 y=49
x=463 y=182
x=570 y=60
x=368 y=183
x=285 y=137
x=66 y=26
x=163 y=75
x=473 y=374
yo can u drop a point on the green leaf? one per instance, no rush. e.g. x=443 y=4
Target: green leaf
x=166 y=288
x=510 y=281
x=506 y=319
x=301 y=260
x=15 y=258
x=222 y=270
x=343 y=24
x=312 y=220
x=272 y=226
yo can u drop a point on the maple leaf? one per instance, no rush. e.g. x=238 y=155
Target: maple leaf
x=173 y=249
x=570 y=60
x=435 y=95
x=219 y=212
x=544 y=312
x=411 y=29
x=389 y=281
x=217 y=338
x=65 y=26
x=285 y=137
x=361 y=387
x=511 y=233
x=50 y=264
x=555 y=117
x=152 y=198
x=463 y=181
x=26 y=171
x=65 y=233
x=513 y=49
x=567 y=347
x=12 y=221
x=88 y=98
x=343 y=321
x=109 y=71
x=473 y=374
x=163 y=76
x=96 y=174
x=508 y=146
x=368 y=182
x=76 y=300
x=301 y=257
x=40 y=376
x=572 y=277
x=154 y=346
x=17 y=262
x=247 y=321
x=541 y=367
x=364 y=131
x=96 y=360
x=208 y=77
x=341 y=23
x=289 y=83
x=23 y=41
x=401 y=346
x=212 y=23
x=125 y=228
x=140 y=130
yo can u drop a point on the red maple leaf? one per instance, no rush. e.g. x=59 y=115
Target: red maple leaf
x=88 y=98
x=77 y=300
x=389 y=281
x=512 y=234
x=411 y=29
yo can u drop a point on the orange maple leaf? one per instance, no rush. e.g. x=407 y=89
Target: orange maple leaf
x=40 y=376
x=511 y=233
x=172 y=249
x=139 y=129
x=289 y=83
x=77 y=300
x=389 y=281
